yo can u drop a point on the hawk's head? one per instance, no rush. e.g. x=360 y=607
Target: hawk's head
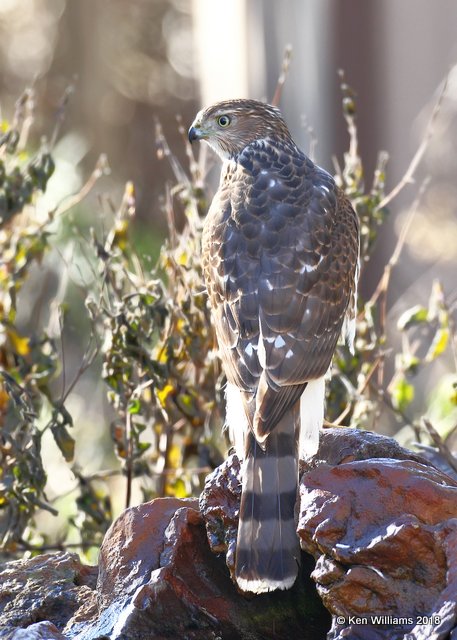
x=229 y=126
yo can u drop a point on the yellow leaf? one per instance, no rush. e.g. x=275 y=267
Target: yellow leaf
x=174 y=457
x=130 y=189
x=4 y=399
x=183 y=259
x=4 y=275
x=163 y=394
x=20 y=256
x=121 y=234
x=20 y=344
x=180 y=490
x=163 y=356
x=181 y=324
x=439 y=344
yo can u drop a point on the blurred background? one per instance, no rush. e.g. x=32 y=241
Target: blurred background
x=133 y=63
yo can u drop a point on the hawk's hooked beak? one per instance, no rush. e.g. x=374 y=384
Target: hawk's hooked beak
x=194 y=134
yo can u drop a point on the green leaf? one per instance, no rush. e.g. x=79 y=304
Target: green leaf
x=61 y=419
x=435 y=304
x=407 y=363
x=143 y=446
x=411 y=317
x=187 y=404
x=453 y=394
x=134 y=406
x=402 y=394
x=64 y=441
x=439 y=344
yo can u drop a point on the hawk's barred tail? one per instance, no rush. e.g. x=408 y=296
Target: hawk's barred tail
x=267 y=553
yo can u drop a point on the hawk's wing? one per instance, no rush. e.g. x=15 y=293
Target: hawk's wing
x=280 y=255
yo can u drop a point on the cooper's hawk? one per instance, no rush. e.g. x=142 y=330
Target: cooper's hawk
x=280 y=254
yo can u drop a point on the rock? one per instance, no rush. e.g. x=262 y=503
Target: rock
x=382 y=531
x=133 y=546
x=442 y=622
x=220 y=504
x=38 y=631
x=346 y=445
x=159 y=579
x=380 y=521
x=50 y=587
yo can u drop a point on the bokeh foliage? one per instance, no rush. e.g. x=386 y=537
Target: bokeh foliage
x=150 y=328
x=27 y=362
x=362 y=388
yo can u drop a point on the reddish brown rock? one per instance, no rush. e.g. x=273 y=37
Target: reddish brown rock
x=133 y=546
x=159 y=579
x=381 y=523
x=50 y=587
x=37 y=631
x=381 y=531
x=220 y=504
x=347 y=445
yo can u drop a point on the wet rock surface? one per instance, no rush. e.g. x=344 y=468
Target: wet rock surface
x=380 y=522
x=159 y=579
x=38 y=631
x=383 y=532
x=346 y=445
x=49 y=587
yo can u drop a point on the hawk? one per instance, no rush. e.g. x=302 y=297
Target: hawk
x=280 y=259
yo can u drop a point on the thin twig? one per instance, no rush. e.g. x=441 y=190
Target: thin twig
x=388 y=402
x=129 y=460
x=62 y=546
x=193 y=164
x=283 y=75
x=101 y=169
x=429 y=131
x=62 y=351
x=170 y=217
x=164 y=151
x=360 y=390
x=450 y=433
x=105 y=474
x=28 y=118
x=60 y=115
x=438 y=441
x=382 y=290
x=385 y=278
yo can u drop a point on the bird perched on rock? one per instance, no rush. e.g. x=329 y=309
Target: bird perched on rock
x=280 y=255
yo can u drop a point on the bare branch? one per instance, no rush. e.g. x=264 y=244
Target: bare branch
x=172 y=234
x=129 y=460
x=101 y=169
x=440 y=444
x=385 y=278
x=164 y=151
x=283 y=75
x=429 y=131
x=60 y=115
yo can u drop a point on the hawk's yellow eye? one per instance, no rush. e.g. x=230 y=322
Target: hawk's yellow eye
x=223 y=121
